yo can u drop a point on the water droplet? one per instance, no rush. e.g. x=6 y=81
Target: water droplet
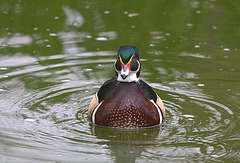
x=226 y=49
x=189 y=25
x=198 y=12
x=133 y=15
x=101 y=39
x=106 y=12
x=52 y=34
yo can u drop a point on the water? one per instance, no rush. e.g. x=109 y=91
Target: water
x=55 y=55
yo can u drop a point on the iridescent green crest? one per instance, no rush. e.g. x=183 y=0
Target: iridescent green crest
x=126 y=52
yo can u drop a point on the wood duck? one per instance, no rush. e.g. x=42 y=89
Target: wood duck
x=125 y=101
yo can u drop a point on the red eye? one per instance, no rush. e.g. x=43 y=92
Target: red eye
x=134 y=58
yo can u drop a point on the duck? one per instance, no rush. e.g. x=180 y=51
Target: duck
x=126 y=101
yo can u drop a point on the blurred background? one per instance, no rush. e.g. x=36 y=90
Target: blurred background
x=55 y=55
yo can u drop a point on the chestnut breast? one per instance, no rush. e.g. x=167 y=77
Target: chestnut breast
x=127 y=107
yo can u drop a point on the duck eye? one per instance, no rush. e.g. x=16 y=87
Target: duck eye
x=134 y=58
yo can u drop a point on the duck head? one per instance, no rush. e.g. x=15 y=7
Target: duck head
x=127 y=65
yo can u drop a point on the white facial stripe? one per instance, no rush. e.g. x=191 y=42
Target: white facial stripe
x=132 y=56
x=138 y=65
x=115 y=66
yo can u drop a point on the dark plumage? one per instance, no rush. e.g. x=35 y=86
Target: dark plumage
x=125 y=101
x=132 y=110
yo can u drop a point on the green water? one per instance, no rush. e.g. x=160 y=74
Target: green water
x=55 y=55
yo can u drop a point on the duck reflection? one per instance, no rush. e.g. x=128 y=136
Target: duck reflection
x=126 y=145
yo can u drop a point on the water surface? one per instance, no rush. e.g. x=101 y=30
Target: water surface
x=55 y=55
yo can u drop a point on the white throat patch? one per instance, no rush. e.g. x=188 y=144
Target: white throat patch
x=132 y=77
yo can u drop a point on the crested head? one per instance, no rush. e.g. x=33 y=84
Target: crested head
x=126 y=52
x=128 y=66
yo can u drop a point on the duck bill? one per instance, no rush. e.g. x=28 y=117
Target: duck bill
x=125 y=71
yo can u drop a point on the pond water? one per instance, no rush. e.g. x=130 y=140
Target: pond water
x=55 y=55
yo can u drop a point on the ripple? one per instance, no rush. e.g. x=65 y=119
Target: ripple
x=18 y=40
x=50 y=109
x=195 y=121
x=15 y=61
x=47 y=100
x=197 y=55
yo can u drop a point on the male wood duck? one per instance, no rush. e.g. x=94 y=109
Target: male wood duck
x=125 y=101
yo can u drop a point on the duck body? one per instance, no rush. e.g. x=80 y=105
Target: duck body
x=125 y=101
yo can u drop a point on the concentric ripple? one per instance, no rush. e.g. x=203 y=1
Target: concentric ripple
x=44 y=106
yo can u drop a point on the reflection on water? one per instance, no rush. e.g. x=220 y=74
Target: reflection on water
x=126 y=145
x=55 y=57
